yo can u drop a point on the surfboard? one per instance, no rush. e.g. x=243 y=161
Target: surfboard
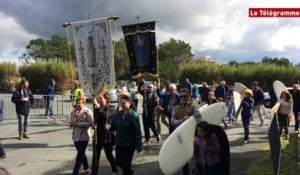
x=278 y=87
x=223 y=166
x=177 y=150
x=240 y=88
x=237 y=98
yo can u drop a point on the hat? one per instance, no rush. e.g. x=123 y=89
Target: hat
x=248 y=91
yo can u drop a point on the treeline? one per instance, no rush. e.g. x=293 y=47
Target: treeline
x=264 y=73
x=39 y=75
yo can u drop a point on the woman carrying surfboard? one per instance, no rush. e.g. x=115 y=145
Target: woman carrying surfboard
x=284 y=111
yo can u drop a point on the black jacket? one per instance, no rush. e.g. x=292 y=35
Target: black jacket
x=296 y=100
x=258 y=97
x=22 y=107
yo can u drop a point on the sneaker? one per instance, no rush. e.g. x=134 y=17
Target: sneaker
x=3 y=157
x=246 y=141
x=19 y=138
x=287 y=137
x=158 y=138
x=146 y=142
x=86 y=172
x=261 y=125
x=25 y=136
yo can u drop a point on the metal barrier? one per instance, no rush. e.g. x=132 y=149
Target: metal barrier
x=62 y=106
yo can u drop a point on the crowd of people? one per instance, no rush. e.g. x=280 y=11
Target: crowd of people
x=120 y=125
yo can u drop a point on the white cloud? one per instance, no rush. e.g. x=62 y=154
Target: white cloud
x=13 y=38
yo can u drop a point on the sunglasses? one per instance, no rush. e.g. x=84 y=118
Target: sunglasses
x=184 y=96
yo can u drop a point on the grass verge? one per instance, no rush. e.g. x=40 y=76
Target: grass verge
x=262 y=165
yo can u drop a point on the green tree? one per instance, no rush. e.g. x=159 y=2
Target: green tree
x=278 y=61
x=170 y=55
x=54 y=49
x=122 y=65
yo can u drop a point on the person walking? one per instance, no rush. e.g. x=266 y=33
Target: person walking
x=206 y=150
x=128 y=135
x=284 y=111
x=170 y=99
x=150 y=102
x=245 y=108
x=23 y=100
x=77 y=92
x=80 y=121
x=134 y=94
x=103 y=114
x=182 y=112
x=160 y=116
x=188 y=85
x=258 y=96
x=296 y=105
x=203 y=91
x=49 y=98
x=2 y=152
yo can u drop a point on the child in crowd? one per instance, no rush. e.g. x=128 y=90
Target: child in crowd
x=206 y=150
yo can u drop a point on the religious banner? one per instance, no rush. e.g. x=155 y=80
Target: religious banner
x=94 y=54
x=141 y=47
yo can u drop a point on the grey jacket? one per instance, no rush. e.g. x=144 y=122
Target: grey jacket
x=84 y=121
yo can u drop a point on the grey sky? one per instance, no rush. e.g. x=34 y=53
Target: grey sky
x=219 y=29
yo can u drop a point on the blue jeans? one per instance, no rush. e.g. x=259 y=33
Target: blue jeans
x=80 y=157
x=246 y=124
x=2 y=152
x=49 y=105
x=23 y=123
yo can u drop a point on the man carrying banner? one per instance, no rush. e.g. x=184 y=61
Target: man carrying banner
x=150 y=102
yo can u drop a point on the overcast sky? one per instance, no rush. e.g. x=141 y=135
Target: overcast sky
x=218 y=29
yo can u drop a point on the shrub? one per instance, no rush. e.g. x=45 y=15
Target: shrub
x=7 y=76
x=39 y=75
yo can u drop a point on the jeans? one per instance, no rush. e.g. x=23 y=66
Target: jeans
x=49 y=109
x=2 y=152
x=22 y=123
x=246 y=124
x=124 y=158
x=296 y=114
x=230 y=106
x=80 y=157
x=108 y=149
x=160 y=115
x=283 y=123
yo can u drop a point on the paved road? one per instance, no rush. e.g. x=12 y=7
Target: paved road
x=50 y=149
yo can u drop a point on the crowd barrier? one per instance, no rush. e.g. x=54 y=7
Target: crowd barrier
x=62 y=106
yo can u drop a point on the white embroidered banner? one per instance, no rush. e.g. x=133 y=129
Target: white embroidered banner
x=94 y=54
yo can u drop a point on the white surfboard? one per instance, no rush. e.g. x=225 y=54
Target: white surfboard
x=177 y=150
x=240 y=88
x=278 y=87
x=237 y=98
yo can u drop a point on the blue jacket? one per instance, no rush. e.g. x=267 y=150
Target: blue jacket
x=247 y=104
x=50 y=92
x=220 y=92
x=165 y=97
